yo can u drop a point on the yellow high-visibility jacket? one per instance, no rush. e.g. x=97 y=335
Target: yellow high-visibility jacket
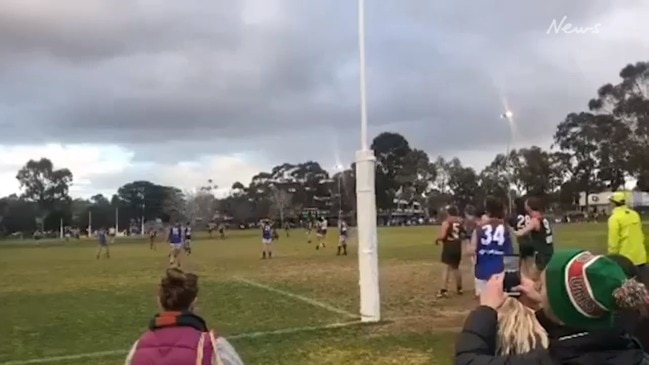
x=626 y=236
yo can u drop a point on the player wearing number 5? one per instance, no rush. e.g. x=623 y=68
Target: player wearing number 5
x=539 y=231
x=490 y=242
x=451 y=235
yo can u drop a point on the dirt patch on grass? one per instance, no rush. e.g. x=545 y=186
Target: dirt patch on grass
x=409 y=290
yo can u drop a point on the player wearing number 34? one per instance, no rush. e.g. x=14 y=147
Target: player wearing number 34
x=490 y=243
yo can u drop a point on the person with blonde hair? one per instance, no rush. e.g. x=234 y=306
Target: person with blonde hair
x=519 y=331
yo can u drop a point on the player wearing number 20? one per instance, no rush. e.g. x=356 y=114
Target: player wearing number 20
x=491 y=241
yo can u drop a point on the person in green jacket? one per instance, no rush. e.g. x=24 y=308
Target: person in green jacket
x=625 y=234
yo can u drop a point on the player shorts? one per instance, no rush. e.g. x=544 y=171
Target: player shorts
x=267 y=241
x=103 y=243
x=177 y=246
x=541 y=260
x=479 y=286
x=452 y=254
x=322 y=232
x=342 y=239
x=526 y=251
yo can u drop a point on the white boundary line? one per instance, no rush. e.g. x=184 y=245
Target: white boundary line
x=298 y=297
x=47 y=360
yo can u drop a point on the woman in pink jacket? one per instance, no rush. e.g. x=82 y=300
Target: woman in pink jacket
x=177 y=336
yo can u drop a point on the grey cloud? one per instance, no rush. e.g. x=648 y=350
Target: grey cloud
x=174 y=82
x=102 y=29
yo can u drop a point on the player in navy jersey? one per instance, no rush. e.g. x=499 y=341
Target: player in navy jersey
x=175 y=239
x=102 y=239
x=342 y=241
x=267 y=239
x=188 y=239
x=490 y=242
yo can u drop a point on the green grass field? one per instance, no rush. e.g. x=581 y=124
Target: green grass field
x=60 y=305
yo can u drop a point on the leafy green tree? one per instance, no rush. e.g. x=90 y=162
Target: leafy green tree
x=494 y=179
x=463 y=183
x=578 y=137
x=48 y=187
x=533 y=170
x=392 y=151
x=624 y=122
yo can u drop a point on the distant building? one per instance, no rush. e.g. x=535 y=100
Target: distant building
x=598 y=202
x=407 y=208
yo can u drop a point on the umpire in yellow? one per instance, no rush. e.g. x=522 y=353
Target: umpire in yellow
x=625 y=234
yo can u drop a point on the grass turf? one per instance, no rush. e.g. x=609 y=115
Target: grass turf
x=57 y=300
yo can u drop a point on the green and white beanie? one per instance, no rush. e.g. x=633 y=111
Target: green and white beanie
x=585 y=289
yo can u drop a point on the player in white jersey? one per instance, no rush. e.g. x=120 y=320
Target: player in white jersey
x=342 y=241
x=322 y=233
x=112 y=233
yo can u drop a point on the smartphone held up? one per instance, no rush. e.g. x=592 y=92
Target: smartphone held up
x=512 y=275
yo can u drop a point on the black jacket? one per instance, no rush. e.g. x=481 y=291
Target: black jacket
x=476 y=345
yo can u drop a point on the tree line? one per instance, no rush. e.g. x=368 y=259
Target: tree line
x=601 y=148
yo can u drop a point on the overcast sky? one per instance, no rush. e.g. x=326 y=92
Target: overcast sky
x=180 y=92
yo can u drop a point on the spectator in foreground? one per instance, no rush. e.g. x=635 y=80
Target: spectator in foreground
x=625 y=234
x=519 y=332
x=178 y=336
x=579 y=290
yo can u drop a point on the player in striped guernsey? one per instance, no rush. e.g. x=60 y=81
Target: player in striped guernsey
x=451 y=237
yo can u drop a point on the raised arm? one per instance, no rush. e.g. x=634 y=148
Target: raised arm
x=443 y=233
